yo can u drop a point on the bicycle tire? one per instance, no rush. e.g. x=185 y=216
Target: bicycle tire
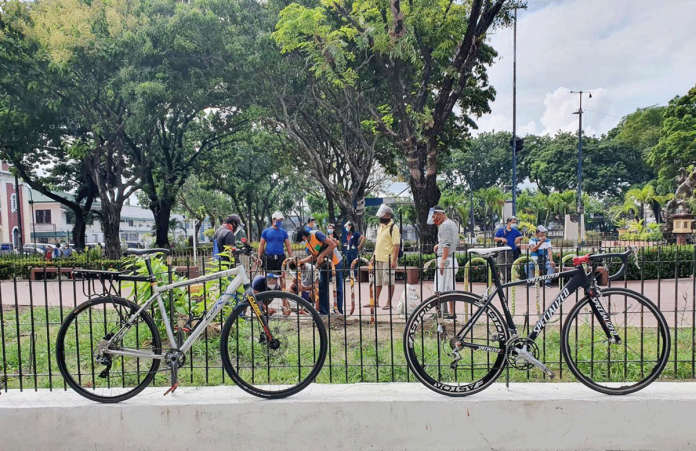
x=490 y=330
x=101 y=316
x=274 y=373
x=616 y=368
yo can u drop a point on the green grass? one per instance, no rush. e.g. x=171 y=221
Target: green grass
x=367 y=355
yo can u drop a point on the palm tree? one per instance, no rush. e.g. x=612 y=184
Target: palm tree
x=493 y=199
x=646 y=196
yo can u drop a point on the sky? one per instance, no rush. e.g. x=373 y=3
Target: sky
x=628 y=53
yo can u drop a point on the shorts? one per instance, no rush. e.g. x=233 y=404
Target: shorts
x=273 y=262
x=384 y=275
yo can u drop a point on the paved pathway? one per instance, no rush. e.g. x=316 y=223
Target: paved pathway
x=674 y=297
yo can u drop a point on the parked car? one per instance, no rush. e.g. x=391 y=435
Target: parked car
x=8 y=249
x=134 y=245
x=37 y=248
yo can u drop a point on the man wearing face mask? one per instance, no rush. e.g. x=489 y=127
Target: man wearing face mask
x=271 y=246
x=508 y=236
x=386 y=254
x=228 y=235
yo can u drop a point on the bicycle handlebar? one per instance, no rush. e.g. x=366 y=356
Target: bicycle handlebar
x=597 y=258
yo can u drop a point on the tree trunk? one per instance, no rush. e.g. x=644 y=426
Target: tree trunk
x=111 y=221
x=162 y=212
x=422 y=166
x=79 y=230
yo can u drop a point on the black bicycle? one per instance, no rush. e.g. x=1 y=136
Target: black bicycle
x=614 y=340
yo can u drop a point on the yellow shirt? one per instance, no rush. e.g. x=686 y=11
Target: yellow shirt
x=384 y=246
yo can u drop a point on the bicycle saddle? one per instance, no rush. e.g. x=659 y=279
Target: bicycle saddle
x=485 y=252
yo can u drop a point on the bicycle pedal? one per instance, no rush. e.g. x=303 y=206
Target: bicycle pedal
x=172 y=389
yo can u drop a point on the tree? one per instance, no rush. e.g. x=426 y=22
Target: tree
x=257 y=176
x=32 y=130
x=431 y=57
x=609 y=166
x=199 y=201
x=184 y=95
x=675 y=151
x=493 y=199
x=488 y=155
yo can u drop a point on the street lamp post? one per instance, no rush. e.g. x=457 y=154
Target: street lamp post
x=33 y=218
x=471 y=203
x=580 y=207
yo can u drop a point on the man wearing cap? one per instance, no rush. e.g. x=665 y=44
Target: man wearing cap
x=228 y=235
x=447 y=265
x=273 y=241
x=508 y=236
x=386 y=254
x=541 y=252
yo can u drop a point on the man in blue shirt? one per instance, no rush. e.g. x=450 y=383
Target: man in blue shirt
x=273 y=241
x=508 y=236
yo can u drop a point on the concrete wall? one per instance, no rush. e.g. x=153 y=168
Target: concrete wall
x=356 y=417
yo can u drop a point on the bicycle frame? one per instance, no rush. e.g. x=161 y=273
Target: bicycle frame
x=578 y=279
x=239 y=280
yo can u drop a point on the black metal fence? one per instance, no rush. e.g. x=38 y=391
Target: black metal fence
x=366 y=340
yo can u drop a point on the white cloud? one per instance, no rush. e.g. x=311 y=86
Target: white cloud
x=632 y=53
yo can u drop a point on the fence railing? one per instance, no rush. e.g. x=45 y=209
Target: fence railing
x=365 y=346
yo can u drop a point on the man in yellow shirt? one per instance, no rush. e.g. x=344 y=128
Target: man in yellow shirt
x=386 y=254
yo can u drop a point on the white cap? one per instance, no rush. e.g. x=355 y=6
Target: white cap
x=277 y=215
x=383 y=210
x=541 y=228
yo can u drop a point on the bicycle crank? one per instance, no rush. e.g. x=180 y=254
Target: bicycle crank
x=526 y=356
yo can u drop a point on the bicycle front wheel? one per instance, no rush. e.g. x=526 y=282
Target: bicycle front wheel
x=430 y=337
x=616 y=368
x=284 y=365
x=98 y=375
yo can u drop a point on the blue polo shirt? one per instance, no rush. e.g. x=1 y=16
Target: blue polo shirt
x=510 y=236
x=275 y=240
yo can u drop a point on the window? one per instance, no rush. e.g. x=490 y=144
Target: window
x=130 y=223
x=13 y=202
x=70 y=217
x=43 y=216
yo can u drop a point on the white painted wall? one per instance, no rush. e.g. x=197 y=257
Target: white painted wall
x=531 y=416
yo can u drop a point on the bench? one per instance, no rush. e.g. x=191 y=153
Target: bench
x=190 y=272
x=411 y=273
x=49 y=270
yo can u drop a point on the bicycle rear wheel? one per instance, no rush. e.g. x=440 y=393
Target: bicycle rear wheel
x=284 y=366
x=99 y=376
x=616 y=368
x=429 y=339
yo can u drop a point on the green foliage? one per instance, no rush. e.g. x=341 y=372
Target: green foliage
x=20 y=266
x=676 y=149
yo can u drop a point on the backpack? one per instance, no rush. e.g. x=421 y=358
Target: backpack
x=401 y=240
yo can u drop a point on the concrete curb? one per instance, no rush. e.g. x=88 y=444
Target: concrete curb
x=389 y=416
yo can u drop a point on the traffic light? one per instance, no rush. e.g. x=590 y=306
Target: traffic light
x=520 y=144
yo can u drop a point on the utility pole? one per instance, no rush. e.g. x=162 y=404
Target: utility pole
x=514 y=119
x=580 y=207
x=18 y=191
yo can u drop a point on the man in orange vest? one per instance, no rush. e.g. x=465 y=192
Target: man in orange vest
x=321 y=249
